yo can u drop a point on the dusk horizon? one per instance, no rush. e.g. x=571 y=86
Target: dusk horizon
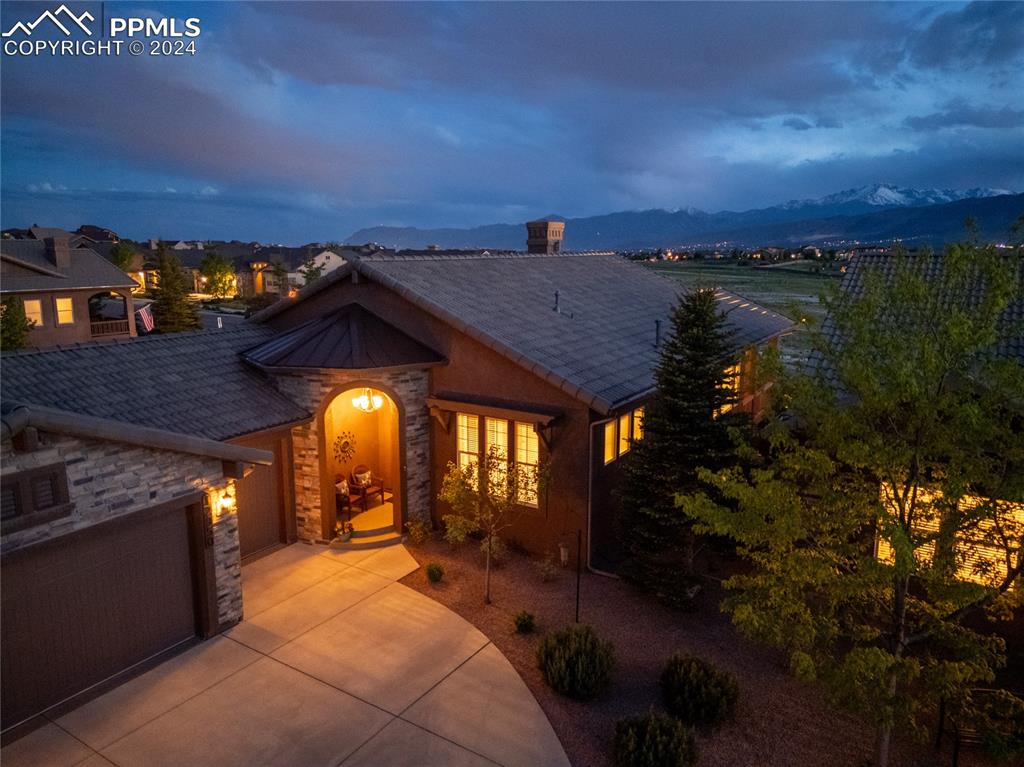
x=308 y=122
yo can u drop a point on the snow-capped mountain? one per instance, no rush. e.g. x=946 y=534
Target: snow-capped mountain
x=892 y=196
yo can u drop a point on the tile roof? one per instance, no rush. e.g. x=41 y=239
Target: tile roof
x=1010 y=341
x=190 y=383
x=598 y=346
x=351 y=338
x=87 y=269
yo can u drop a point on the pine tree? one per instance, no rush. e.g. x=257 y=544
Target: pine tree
x=173 y=310
x=14 y=325
x=682 y=432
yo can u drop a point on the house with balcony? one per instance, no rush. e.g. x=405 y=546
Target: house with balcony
x=70 y=292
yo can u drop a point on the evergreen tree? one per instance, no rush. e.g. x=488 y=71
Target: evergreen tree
x=682 y=432
x=173 y=310
x=311 y=270
x=14 y=325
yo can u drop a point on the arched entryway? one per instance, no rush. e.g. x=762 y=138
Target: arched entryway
x=361 y=459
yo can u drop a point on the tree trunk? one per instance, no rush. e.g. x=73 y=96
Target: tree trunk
x=882 y=740
x=487 y=573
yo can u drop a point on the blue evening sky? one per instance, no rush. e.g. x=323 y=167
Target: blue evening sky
x=302 y=121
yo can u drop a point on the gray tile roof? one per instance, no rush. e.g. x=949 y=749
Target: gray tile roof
x=599 y=346
x=190 y=383
x=37 y=272
x=1010 y=341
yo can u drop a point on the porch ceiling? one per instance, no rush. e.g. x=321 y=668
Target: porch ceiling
x=352 y=338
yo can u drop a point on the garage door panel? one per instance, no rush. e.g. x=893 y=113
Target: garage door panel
x=260 y=503
x=82 y=609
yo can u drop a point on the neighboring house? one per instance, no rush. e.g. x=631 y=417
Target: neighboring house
x=988 y=564
x=72 y=294
x=398 y=364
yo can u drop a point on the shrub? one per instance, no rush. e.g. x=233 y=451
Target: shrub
x=547 y=568
x=457 y=528
x=418 y=531
x=524 y=622
x=697 y=692
x=654 y=740
x=435 y=572
x=576 y=662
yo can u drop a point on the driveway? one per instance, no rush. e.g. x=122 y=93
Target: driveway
x=335 y=664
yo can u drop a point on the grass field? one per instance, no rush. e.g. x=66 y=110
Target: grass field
x=776 y=287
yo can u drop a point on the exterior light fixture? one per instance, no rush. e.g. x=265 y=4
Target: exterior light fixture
x=367 y=401
x=222 y=501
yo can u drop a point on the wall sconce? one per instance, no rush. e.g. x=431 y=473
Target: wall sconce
x=367 y=401
x=222 y=500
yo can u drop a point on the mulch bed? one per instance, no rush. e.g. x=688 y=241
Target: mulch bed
x=780 y=721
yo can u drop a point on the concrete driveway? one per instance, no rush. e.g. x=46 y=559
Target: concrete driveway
x=335 y=664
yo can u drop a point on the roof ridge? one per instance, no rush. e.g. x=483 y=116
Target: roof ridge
x=234 y=327
x=485 y=256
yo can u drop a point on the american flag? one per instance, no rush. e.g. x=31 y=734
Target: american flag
x=144 y=318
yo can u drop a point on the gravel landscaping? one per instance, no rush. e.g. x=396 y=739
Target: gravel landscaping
x=779 y=720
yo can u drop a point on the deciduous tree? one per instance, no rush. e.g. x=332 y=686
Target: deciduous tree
x=907 y=440
x=219 y=275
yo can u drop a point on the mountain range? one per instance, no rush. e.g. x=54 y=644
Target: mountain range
x=875 y=213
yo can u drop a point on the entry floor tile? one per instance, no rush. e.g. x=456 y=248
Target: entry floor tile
x=283 y=574
x=266 y=714
x=401 y=744
x=49 y=746
x=389 y=649
x=511 y=728
x=112 y=716
x=392 y=562
x=283 y=622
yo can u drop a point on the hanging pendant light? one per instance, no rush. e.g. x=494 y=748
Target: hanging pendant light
x=367 y=401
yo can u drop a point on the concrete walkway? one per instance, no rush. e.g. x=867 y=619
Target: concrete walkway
x=335 y=664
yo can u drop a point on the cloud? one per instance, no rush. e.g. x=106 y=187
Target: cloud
x=980 y=34
x=46 y=187
x=959 y=114
x=797 y=123
x=828 y=122
x=209 y=191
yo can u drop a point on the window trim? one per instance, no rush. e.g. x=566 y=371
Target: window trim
x=25 y=302
x=56 y=310
x=511 y=447
x=534 y=466
x=27 y=515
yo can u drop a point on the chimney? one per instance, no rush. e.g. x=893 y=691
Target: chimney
x=544 y=237
x=58 y=251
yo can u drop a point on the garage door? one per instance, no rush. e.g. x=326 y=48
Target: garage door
x=85 y=606
x=259 y=504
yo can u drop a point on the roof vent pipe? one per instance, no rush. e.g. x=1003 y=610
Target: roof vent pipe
x=557 y=309
x=657 y=333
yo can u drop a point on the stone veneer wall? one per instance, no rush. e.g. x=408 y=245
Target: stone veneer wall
x=110 y=479
x=410 y=388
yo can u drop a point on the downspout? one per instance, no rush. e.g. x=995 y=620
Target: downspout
x=590 y=500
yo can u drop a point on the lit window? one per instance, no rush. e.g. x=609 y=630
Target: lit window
x=468 y=431
x=497 y=454
x=609 y=442
x=65 y=311
x=34 y=310
x=623 y=434
x=638 y=424
x=730 y=383
x=527 y=461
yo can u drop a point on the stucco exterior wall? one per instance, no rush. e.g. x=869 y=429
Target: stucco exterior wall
x=107 y=480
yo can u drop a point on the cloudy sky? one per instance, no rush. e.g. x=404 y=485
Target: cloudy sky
x=306 y=121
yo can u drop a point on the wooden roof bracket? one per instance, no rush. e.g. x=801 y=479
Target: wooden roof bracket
x=443 y=417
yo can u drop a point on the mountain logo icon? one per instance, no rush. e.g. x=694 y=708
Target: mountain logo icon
x=65 y=26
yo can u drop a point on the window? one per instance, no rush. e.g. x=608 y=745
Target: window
x=65 y=311
x=731 y=384
x=468 y=427
x=609 y=442
x=33 y=497
x=624 y=434
x=527 y=463
x=34 y=310
x=638 y=424
x=497 y=455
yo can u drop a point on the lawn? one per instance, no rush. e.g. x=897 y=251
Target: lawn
x=780 y=720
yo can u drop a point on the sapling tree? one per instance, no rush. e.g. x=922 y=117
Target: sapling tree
x=486 y=497
x=883 y=522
